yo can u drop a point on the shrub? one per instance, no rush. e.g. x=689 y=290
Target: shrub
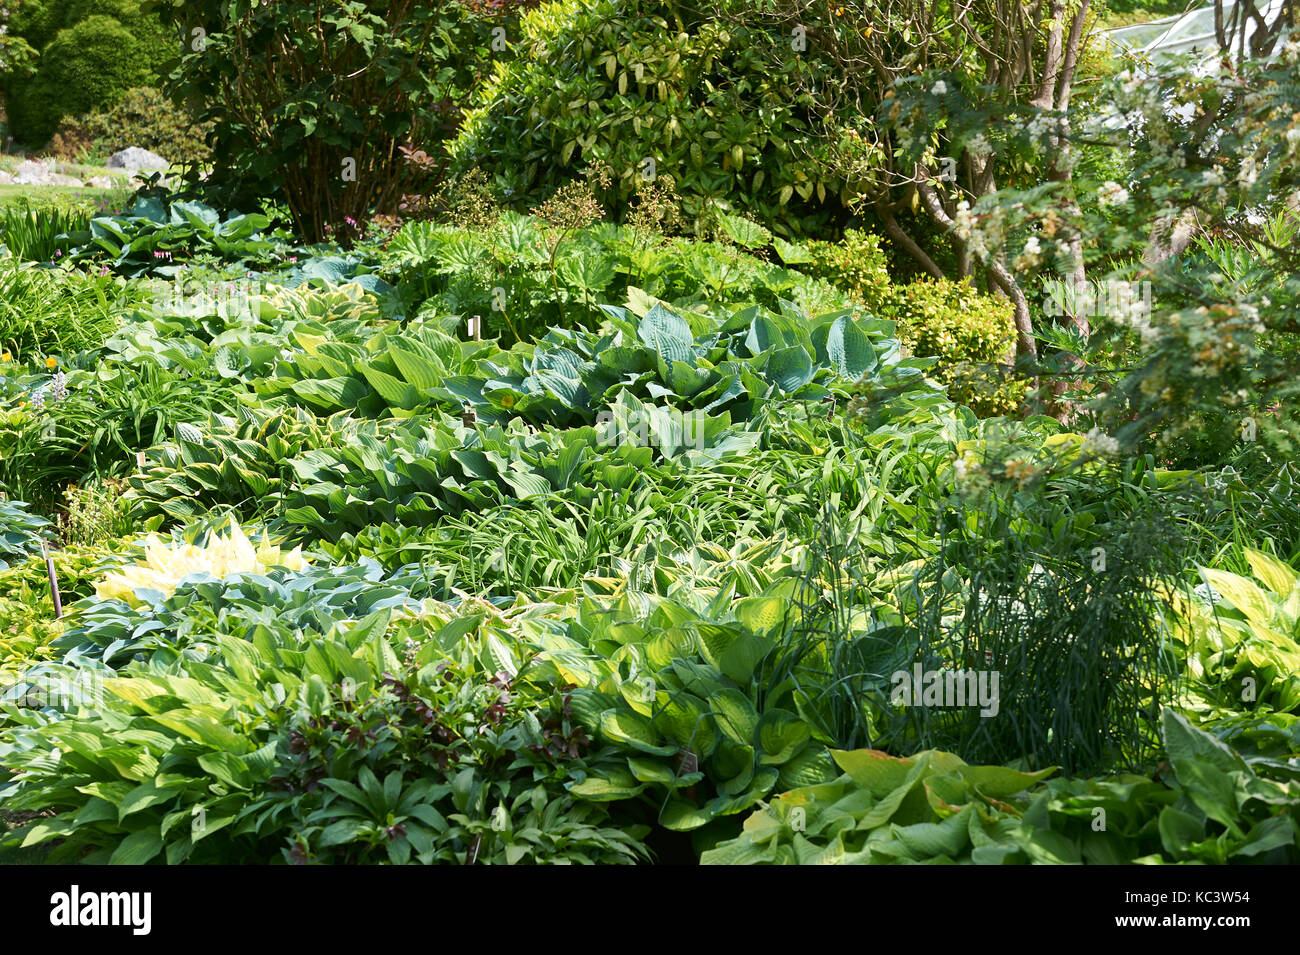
x=144 y=118
x=713 y=104
x=89 y=64
x=857 y=264
x=969 y=332
x=322 y=120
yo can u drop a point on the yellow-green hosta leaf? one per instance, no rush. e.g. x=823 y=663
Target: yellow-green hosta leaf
x=735 y=715
x=761 y=613
x=1279 y=578
x=927 y=840
x=877 y=772
x=781 y=735
x=1241 y=593
x=681 y=816
x=635 y=730
x=809 y=768
x=999 y=781
x=616 y=784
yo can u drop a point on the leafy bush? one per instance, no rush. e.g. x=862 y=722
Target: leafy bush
x=503 y=274
x=395 y=737
x=933 y=808
x=90 y=63
x=329 y=149
x=971 y=333
x=143 y=117
x=153 y=236
x=855 y=264
x=713 y=103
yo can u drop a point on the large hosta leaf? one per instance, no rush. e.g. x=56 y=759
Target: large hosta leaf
x=848 y=349
x=668 y=334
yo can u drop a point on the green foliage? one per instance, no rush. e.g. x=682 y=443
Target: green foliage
x=855 y=264
x=712 y=100
x=329 y=149
x=152 y=237
x=674 y=675
x=1242 y=640
x=93 y=418
x=33 y=233
x=28 y=627
x=143 y=117
x=252 y=744
x=971 y=333
x=44 y=312
x=90 y=63
x=1214 y=807
x=1051 y=591
x=458 y=271
x=21 y=532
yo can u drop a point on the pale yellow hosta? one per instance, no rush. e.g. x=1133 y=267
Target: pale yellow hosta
x=166 y=564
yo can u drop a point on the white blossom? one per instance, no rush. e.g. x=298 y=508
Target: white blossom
x=1100 y=444
x=1112 y=194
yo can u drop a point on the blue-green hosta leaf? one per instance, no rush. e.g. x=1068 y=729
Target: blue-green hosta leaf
x=151 y=209
x=668 y=334
x=240 y=227
x=568 y=390
x=848 y=349
x=790 y=368
x=202 y=217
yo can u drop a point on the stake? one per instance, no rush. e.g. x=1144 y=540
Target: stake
x=54 y=581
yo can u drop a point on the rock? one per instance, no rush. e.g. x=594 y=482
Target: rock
x=6 y=177
x=133 y=157
x=42 y=173
x=101 y=182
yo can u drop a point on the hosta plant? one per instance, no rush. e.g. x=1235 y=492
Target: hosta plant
x=163 y=566
x=1241 y=637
